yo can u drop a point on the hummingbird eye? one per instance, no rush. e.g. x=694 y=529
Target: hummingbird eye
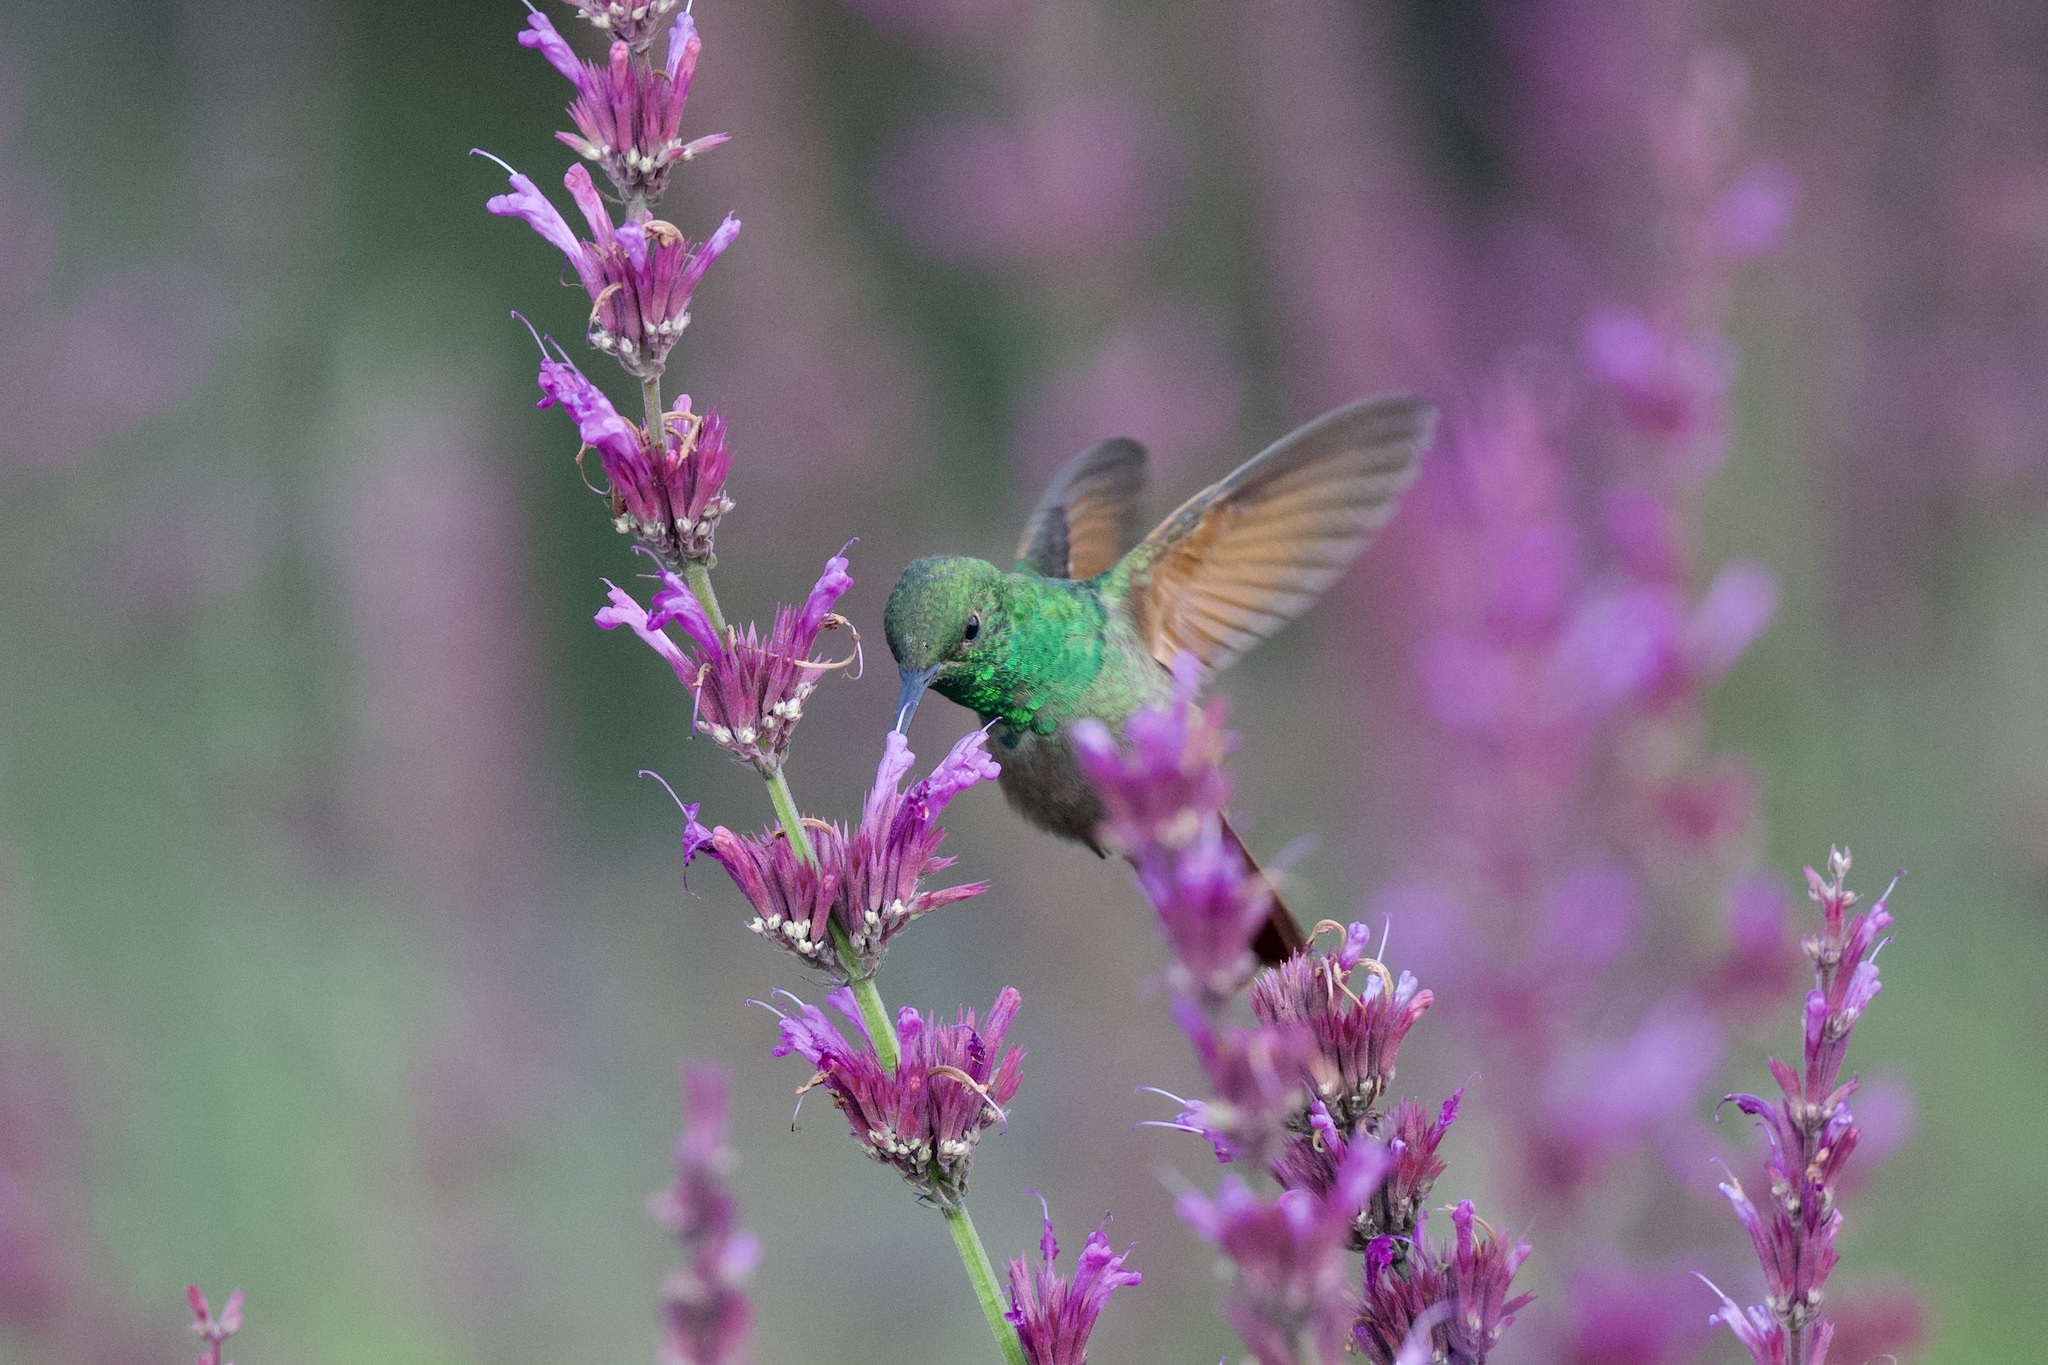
x=973 y=628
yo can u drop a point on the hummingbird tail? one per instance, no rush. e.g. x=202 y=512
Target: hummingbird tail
x=1280 y=937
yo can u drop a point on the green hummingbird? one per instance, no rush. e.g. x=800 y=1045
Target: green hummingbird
x=1090 y=619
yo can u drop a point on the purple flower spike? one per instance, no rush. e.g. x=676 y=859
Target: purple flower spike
x=1289 y=1256
x=1256 y=1074
x=639 y=275
x=749 y=692
x=1054 y=1315
x=1812 y=1135
x=706 y=1316
x=926 y=1118
x=628 y=113
x=670 y=499
x=214 y=1330
x=1463 y=1286
x=1358 y=1036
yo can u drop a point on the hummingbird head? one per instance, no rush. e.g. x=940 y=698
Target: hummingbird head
x=943 y=622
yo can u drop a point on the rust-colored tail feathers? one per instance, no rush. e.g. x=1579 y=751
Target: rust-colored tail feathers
x=1280 y=937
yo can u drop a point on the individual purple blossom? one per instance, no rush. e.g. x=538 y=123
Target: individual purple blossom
x=1167 y=779
x=670 y=496
x=628 y=114
x=867 y=882
x=927 y=1116
x=895 y=846
x=1210 y=906
x=749 y=692
x=1463 y=1284
x=706 y=1316
x=1053 y=1314
x=639 y=275
x=1812 y=1134
x=1358 y=1037
x=1255 y=1075
x=214 y=1331
x=1311 y=1159
x=1289 y=1257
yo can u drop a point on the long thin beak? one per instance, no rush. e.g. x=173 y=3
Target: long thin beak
x=914 y=684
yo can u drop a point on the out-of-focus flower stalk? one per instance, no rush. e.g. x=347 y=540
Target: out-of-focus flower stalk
x=1302 y=1094
x=706 y=1317
x=1812 y=1135
x=214 y=1331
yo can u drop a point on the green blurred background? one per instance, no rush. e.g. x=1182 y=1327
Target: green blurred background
x=343 y=954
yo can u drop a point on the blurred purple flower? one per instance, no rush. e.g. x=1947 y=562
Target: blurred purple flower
x=1590 y=919
x=1210 y=906
x=1812 y=1135
x=749 y=692
x=926 y=1117
x=1289 y=1257
x=1256 y=1077
x=1054 y=1315
x=1085 y=177
x=634 y=21
x=706 y=1316
x=1167 y=779
x=1667 y=384
x=629 y=114
x=1610 y=1092
x=1465 y=1282
x=867 y=882
x=1754 y=214
x=214 y=1331
x=670 y=499
x=639 y=275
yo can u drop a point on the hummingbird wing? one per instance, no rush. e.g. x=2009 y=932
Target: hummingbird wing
x=1247 y=555
x=1089 y=516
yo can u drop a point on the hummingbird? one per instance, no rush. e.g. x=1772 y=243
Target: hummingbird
x=1089 y=619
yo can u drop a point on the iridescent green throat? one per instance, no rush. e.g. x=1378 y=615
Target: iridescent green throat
x=1045 y=648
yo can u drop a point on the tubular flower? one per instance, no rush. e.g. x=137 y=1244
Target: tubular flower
x=1812 y=1134
x=669 y=498
x=639 y=275
x=792 y=896
x=1310 y=1161
x=1256 y=1075
x=1167 y=780
x=1358 y=1036
x=1054 y=1315
x=1463 y=1286
x=705 y=1312
x=926 y=1118
x=1289 y=1256
x=628 y=113
x=1210 y=907
x=895 y=845
x=867 y=882
x=750 y=692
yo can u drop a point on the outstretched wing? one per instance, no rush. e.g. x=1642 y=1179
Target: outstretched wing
x=1089 y=516
x=1244 y=557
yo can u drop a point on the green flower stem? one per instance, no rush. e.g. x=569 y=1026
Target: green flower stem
x=982 y=1272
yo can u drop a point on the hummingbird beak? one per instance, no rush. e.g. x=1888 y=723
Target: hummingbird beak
x=915 y=681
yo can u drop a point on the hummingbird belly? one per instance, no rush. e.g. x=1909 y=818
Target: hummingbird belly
x=1043 y=782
